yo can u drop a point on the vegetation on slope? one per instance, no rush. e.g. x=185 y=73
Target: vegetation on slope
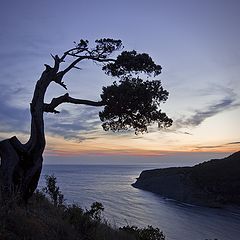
x=46 y=217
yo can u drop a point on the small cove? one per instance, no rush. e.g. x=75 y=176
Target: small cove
x=111 y=185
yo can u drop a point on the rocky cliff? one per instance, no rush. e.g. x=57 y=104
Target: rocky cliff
x=213 y=183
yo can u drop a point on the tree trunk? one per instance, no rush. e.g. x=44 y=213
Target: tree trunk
x=20 y=170
x=21 y=164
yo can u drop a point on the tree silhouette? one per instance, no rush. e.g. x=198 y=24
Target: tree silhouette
x=131 y=103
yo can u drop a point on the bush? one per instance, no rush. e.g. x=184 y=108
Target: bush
x=53 y=190
x=149 y=233
x=95 y=211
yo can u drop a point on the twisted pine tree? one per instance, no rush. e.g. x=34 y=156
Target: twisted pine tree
x=130 y=103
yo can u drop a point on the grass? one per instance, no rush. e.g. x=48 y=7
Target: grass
x=46 y=217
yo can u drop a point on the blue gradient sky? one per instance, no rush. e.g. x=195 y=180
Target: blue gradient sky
x=196 y=42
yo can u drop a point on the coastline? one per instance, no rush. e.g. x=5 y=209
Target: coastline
x=214 y=183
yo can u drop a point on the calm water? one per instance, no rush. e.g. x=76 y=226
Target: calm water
x=111 y=185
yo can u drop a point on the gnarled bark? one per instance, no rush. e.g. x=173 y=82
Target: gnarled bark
x=21 y=164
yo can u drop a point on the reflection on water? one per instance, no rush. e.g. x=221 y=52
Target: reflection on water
x=124 y=204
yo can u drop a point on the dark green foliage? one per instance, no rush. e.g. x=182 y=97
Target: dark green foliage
x=53 y=191
x=132 y=62
x=133 y=103
x=103 y=48
x=107 y=46
x=73 y=213
x=39 y=220
x=149 y=233
x=80 y=221
x=39 y=196
x=82 y=44
x=95 y=211
x=87 y=223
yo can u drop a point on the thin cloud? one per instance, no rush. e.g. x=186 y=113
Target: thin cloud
x=209 y=147
x=200 y=115
x=75 y=138
x=217 y=146
x=186 y=133
x=233 y=143
x=216 y=90
x=71 y=125
x=12 y=118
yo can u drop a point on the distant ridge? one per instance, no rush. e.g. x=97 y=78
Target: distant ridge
x=213 y=183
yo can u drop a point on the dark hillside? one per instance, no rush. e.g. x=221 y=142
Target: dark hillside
x=212 y=183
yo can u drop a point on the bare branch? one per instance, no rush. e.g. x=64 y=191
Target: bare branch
x=80 y=58
x=58 y=79
x=77 y=68
x=59 y=75
x=72 y=65
x=102 y=60
x=57 y=62
x=73 y=52
x=50 y=107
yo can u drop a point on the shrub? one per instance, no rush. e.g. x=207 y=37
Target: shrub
x=95 y=211
x=53 y=190
x=74 y=215
x=149 y=233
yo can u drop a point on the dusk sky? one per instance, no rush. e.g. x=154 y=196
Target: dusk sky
x=197 y=43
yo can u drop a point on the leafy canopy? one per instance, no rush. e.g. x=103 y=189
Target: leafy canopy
x=132 y=62
x=133 y=102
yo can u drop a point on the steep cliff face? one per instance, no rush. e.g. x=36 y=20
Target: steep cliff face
x=213 y=183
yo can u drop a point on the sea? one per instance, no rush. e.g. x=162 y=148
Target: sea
x=126 y=205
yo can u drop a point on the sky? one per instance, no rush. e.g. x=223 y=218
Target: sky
x=195 y=42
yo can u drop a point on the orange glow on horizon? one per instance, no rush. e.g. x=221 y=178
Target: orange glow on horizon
x=61 y=147
x=155 y=143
